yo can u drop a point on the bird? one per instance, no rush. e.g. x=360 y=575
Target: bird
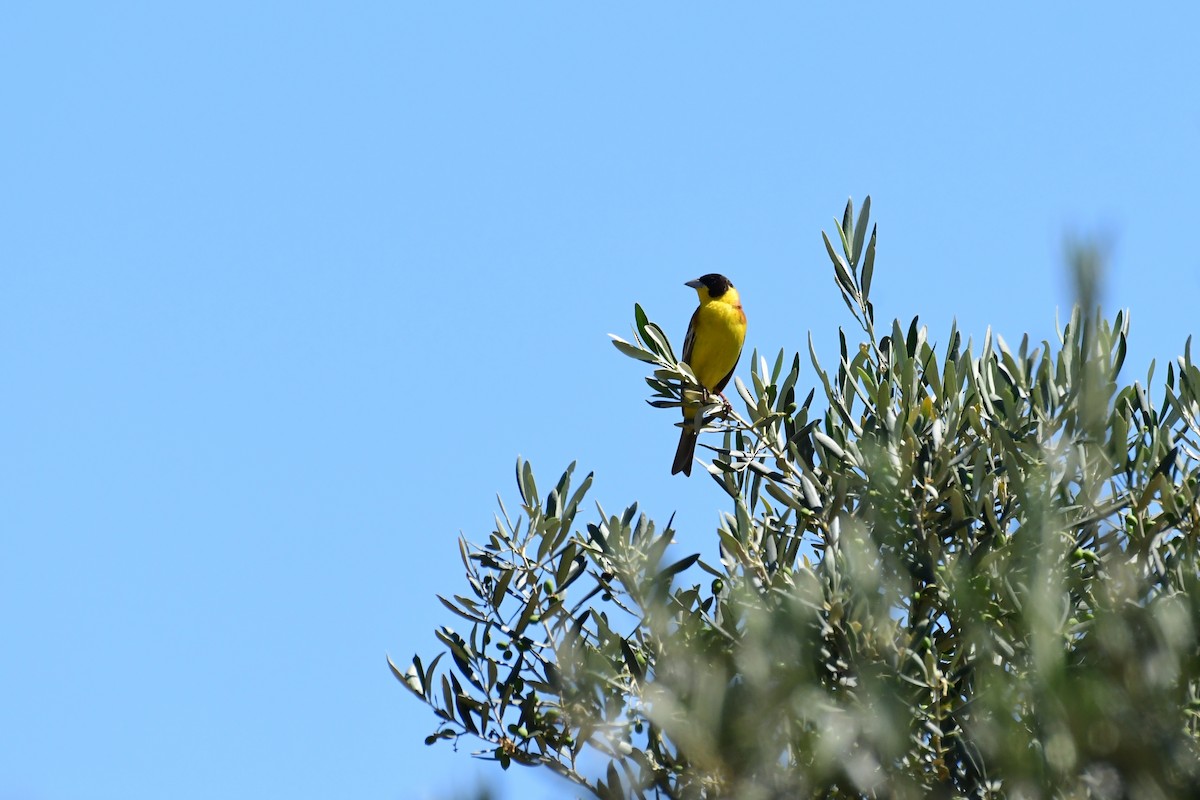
x=711 y=348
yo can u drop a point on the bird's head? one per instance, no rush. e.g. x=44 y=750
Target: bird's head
x=711 y=286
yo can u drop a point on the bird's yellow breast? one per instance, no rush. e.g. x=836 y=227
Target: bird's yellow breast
x=720 y=331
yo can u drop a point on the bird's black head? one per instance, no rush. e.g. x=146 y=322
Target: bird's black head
x=716 y=284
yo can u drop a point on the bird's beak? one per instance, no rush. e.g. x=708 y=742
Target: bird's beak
x=696 y=284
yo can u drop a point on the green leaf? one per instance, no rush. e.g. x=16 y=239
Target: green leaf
x=614 y=788
x=765 y=471
x=500 y=591
x=1119 y=358
x=786 y=497
x=568 y=572
x=492 y=676
x=830 y=445
x=599 y=537
x=421 y=672
x=847 y=226
x=745 y=394
x=730 y=542
x=560 y=490
x=656 y=549
x=910 y=341
x=777 y=368
x=430 y=671
x=868 y=266
x=841 y=271
x=657 y=340
x=670 y=572
x=640 y=319
x=407 y=679
x=811 y=496
x=467 y=615
x=632 y=350
x=529 y=491
x=527 y=613
x=860 y=231
x=447 y=698
x=631 y=662
x=463 y=703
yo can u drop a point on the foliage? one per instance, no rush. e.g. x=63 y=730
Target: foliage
x=968 y=571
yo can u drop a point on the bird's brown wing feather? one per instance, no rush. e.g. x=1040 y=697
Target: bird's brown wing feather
x=689 y=341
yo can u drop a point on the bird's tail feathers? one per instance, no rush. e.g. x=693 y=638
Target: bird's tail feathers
x=685 y=452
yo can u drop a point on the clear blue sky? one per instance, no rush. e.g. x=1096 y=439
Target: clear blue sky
x=288 y=287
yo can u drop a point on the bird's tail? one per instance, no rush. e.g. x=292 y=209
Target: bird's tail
x=686 y=450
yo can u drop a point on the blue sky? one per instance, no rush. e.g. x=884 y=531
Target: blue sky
x=287 y=288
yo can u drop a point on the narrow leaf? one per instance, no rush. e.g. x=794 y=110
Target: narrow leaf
x=868 y=266
x=860 y=230
x=632 y=351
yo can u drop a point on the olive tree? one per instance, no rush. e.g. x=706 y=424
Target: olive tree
x=947 y=569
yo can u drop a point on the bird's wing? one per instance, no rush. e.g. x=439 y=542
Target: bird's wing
x=689 y=341
x=720 y=387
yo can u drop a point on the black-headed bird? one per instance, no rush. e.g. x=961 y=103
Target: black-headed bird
x=711 y=348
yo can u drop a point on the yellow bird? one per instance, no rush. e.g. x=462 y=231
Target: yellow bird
x=711 y=348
